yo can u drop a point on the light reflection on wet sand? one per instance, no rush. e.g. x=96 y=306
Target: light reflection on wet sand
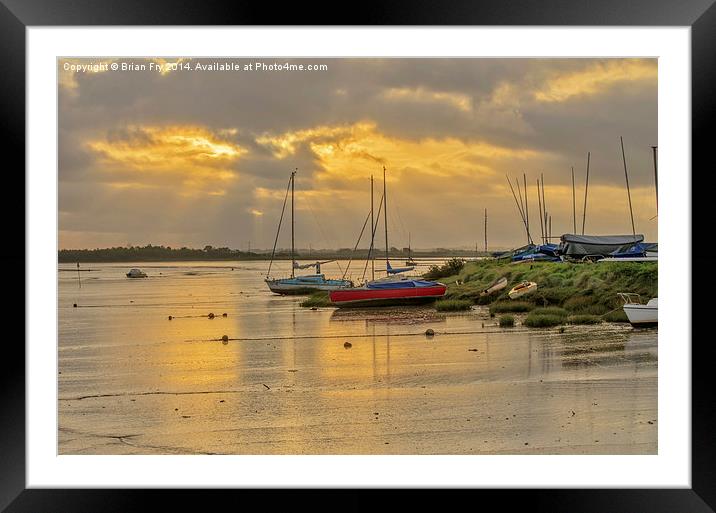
x=134 y=382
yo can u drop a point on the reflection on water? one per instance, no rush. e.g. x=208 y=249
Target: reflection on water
x=289 y=385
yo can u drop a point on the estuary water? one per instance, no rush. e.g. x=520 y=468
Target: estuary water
x=132 y=381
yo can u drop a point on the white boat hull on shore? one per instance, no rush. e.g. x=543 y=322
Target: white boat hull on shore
x=642 y=316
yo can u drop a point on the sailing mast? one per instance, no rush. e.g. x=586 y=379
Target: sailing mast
x=293 y=249
x=409 y=256
x=485 y=230
x=574 y=205
x=586 y=188
x=385 y=217
x=656 y=179
x=371 y=255
x=626 y=176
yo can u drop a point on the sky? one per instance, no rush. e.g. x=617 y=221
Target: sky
x=183 y=154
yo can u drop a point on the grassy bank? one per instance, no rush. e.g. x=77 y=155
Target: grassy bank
x=316 y=299
x=564 y=289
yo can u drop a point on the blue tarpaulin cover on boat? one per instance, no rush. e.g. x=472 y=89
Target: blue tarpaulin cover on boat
x=577 y=246
x=402 y=284
x=636 y=250
x=545 y=252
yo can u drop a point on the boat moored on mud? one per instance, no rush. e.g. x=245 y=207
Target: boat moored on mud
x=389 y=291
x=640 y=315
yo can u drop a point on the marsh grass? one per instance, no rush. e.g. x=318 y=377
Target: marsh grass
x=580 y=289
x=511 y=306
x=616 y=316
x=316 y=299
x=584 y=319
x=507 y=321
x=543 y=320
x=550 y=310
x=453 y=305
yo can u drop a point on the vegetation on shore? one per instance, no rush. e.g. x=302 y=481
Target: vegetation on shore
x=507 y=321
x=317 y=299
x=449 y=268
x=584 y=319
x=567 y=292
x=453 y=305
x=510 y=306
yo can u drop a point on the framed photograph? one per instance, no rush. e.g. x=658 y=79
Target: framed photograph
x=384 y=255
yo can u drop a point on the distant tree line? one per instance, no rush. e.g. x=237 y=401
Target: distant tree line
x=150 y=253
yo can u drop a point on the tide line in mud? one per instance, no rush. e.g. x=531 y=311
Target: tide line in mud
x=420 y=334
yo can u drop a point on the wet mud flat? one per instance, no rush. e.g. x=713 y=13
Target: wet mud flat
x=473 y=388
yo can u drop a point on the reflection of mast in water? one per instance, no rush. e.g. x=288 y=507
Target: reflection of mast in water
x=387 y=342
x=374 y=361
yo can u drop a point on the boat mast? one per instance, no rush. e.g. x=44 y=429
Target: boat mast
x=371 y=255
x=656 y=179
x=527 y=209
x=293 y=249
x=586 y=188
x=544 y=208
x=574 y=205
x=385 y=217
x=485 y=230
x=541 y=219
x=626 y=175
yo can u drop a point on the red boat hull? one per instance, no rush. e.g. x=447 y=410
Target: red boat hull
x=360 y=296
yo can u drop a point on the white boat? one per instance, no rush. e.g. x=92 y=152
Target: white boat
x=495 y=286
x=524 y=288
x=640 y=315
x=136 y=273
x=304 y=284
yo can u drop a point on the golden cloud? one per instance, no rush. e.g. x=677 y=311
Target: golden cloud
x=194 y=157
x=596 y=79
x=350 y=152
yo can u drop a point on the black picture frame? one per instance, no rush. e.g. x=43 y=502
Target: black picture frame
x=700 y=15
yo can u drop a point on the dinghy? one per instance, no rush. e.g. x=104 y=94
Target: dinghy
x=495 y=286
x=136 y=273
x=524 y=288
x=640 y=315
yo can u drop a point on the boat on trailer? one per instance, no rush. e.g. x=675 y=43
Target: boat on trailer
x=640 y=315
x=299 y=285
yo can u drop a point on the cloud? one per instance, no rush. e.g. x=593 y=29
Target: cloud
x=595 y=79
x=458 y=101
x=201 y=154
x=200 y=159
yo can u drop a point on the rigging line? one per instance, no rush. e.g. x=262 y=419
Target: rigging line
x=356 y=246
x=400 y=219
x=323 y=233
x=278 y=230
x=372 y=244
x=519 y=208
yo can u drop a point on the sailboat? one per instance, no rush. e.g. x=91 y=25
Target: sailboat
x=304 y=284
x=393 y=289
